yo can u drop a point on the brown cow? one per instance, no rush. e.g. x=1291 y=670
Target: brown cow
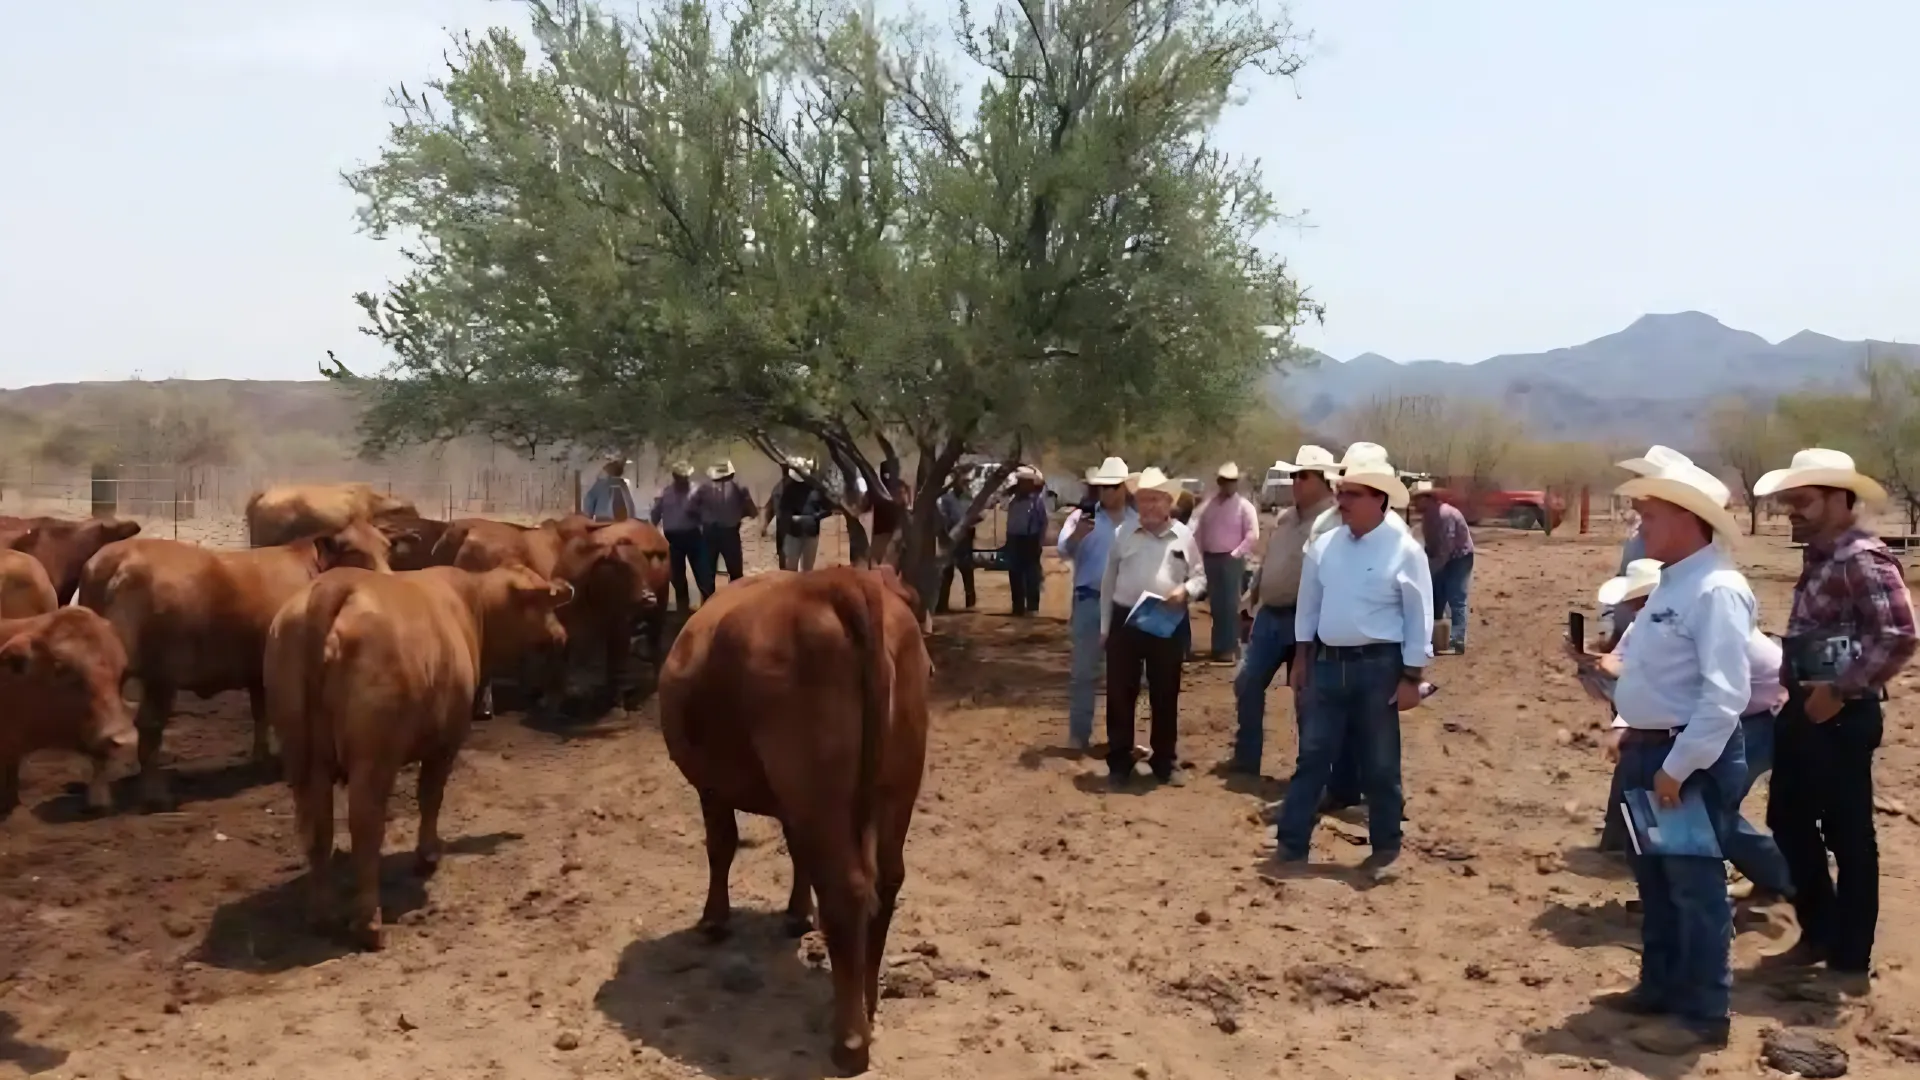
x=288 y=512
x=196 y=619
x=416 y=541
x=64 y=547
x=620 y=571
x=367 y=673
x=25 y=588
x=60 y=676
x=803 y=697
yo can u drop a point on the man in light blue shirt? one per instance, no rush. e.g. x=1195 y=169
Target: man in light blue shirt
x=609 y=494
x=1085 y=539
x=1684 y=679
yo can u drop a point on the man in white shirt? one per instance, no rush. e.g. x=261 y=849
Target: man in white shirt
x=1364 y=624
x=1085 y=538
x=1684 y=679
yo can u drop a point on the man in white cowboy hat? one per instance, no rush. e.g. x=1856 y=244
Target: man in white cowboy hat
x=1155 y=555
x=1272 y=594
x=798 y=508
x=1752 y=852
x=1085 y=538
x=1685 y=678
x=1656 y=458
x=955 y=541
x=1227 y=527
x=1364 y=627
x=1852 y=630
x=721 y=504
x=611 y=496
x=674 y=512
x=1026 y=535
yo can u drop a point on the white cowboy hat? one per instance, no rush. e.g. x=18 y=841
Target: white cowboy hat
x=1311 y=459
x=1229 y=471
x=1691 y=488
x=1363 y=452
x=1421 y=487
x=803 y=464
x=682 y=469
x=1641 y=576
x=1111 y=473
x=1152 y=479
x=1027 y=472
x=1656 y=458
x=720 y=471
x=1379 y=476
x=1815 y=467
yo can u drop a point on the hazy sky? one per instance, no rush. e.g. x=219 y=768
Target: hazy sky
x=1475 y=176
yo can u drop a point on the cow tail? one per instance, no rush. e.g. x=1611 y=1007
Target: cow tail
x=870 y=633
x=323 y=651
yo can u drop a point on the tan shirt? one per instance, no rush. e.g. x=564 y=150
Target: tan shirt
x=1141 y=562
x=1276 y=581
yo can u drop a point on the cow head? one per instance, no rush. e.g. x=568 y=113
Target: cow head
x=415 y=541
x=380 y=505
x=67 y=667
x=519 y=608
x=359 y=545
x=64 y=547
x=622 y=561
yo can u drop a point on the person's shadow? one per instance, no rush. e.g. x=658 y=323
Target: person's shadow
x=32 y=1058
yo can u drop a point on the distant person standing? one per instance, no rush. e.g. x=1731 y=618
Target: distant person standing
x=1026 y=533
x=674 y=512
x=1851 y=631
x=1274 y=592
x=1449 y=544
x=956 y=540
x=1229 y=527
x=721 y=504
x=891 y=505
x=1085 y=538
x=802 y=509
x=610 y=497
x=1364 y=627
x=1156 y=555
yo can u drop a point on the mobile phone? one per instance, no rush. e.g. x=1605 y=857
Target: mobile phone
x=1577 y=629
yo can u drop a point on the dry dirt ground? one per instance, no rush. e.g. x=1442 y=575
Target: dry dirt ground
x=1047 y=927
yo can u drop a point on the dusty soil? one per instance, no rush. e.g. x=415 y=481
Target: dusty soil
x=1047 y=927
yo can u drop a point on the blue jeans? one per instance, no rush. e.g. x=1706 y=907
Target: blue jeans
x=1687 y=928
x=1224 y=574
x=1084 y=675
x=1752 y=852
x=1348 y=700
x=1268 y=647
x=1450 y=596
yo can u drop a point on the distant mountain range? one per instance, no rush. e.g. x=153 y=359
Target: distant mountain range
x=1653 y=380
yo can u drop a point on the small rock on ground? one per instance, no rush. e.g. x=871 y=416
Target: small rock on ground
x=1802 y=1054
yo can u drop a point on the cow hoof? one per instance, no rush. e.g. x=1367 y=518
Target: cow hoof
x=368 y=938
x=797 y=926
x=714 y=930
x=850 y=1060
x=425 y=863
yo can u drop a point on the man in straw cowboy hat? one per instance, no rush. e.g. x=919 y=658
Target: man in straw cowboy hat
x=1449 y=544
x=1085 y=538
x=1227 y=529
x=721 y=504
x=674 y=512
x=1684 y=679
x=1026 y=535
x=1851 y=631
x=800 y=508
x=1364 y=627
x=1273 y=592
x=1156 y=555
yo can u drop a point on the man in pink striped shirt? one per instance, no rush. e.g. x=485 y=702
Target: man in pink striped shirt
x=1227 y=527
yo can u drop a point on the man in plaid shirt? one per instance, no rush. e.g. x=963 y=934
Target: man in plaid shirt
x=1449 y=544
x=1852 y=630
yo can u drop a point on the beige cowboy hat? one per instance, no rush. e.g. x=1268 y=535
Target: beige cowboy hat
x=1639 y=580
x=799 y=464
x=720 y=471
x=1311 y=459
x=1421 y=487
x=1110 y=473
x=681 y=469
x=1656 y=458
x=1229 y=471
x=1815 y=467
x=1027 y=472
x=1152 y=479
x=1378 y=475
x=1691 y=488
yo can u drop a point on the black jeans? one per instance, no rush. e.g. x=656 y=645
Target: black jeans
x=683 y=554
x=1023 y=572
x=1132 y=653
x=719 y=543
x=1822 y=800
x=959 y=560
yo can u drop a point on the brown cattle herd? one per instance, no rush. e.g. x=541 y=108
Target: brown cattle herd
x=369 y=638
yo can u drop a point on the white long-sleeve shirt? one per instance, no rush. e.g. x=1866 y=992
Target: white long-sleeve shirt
x=1686 y=663
x=1367 y=590
x=1141 y=561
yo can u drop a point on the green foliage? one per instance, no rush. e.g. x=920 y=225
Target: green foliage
x=1880 y=427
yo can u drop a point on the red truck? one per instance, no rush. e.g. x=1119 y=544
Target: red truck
x=1493 y=506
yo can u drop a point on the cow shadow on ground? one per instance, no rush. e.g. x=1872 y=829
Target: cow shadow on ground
x=988 y=672
x=686 y=998
x=32 y=1058
x=188 y=786
x=267 y=932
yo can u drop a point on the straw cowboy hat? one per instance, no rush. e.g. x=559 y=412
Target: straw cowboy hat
x=1421 y=487
x=721 y=471
x=1311 y=459
x=1380 y=476
x=1229 y=471
x=1656 y=458
x=1821 y=468
x=1111 y=473
x=1689 y=487
x=1152 y=479
x=1363 y=451
x=682 y=470
x=1641 y=576
x=801 y=464
x=1027 y=472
